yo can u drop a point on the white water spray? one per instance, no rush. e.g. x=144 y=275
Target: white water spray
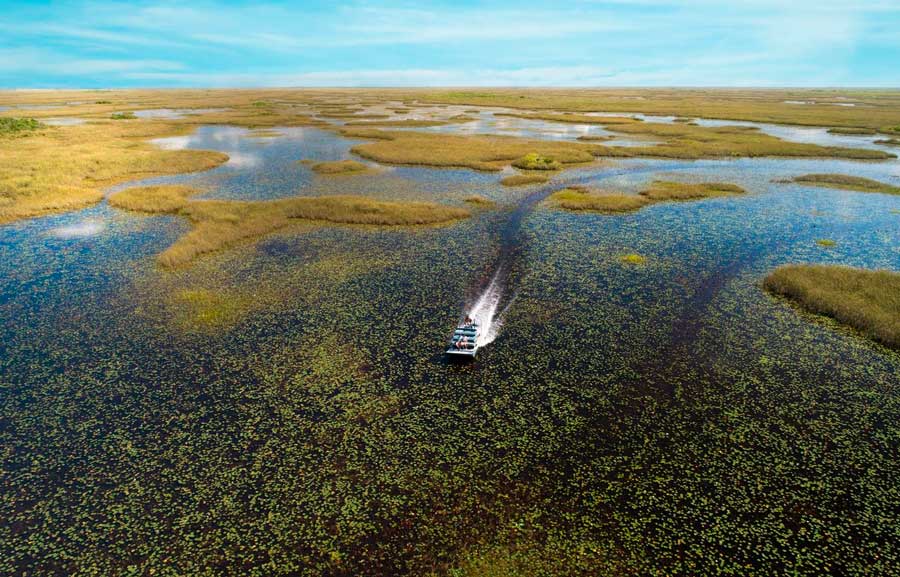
x=484 y=311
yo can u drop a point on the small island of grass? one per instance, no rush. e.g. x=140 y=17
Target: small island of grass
x=523 y=179
x=580 y=198
x=852 y=131
x=123 y=116
x=340 y=167
x=867 y=300
x=847 y=182
x=535 y=161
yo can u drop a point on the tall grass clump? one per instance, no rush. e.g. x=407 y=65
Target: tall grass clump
x=339 y=167
x=153 y=199
x=10 y=125
x=582 y=199
x=867 y=300
x=523 y=179
x=662 y=190
x=534 y=161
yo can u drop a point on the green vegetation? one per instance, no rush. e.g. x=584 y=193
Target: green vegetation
x=411 y=122
x=826 y=242
x=10 y=125
x=866 y=300
x=632 y=258
x=853 y=131
x=534 y=161
x=889 y=141
x=153 y=199
x=340 y=167
x=847 y=182
x=123 y=116
x=523 y=179
x=594 y=137
x=490 y=153
x=103 y=102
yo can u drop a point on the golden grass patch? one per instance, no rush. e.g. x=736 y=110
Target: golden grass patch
x=847 y=182
x=663 y=190
x=573 y=118
x=218 y=224
x=523 y=179
x=340 y=167
x=479 y=152
x=478 y=200
x=166 y=198
x=867 y=300
x=633 y=259
x=57 y=169
x=583 y=199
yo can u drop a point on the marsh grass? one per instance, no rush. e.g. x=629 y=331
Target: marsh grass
x=663 y=190
x=867 y=300
x=523 y=179
x=826 y=242
x=534 y=161
x=594 y=138
x=582 y=199
x=9 y=125
x=218 y=224
x=480 y=201
x=340 y=167
x=578 y=198
x=168 y=198
x=889 y=141
x=573 y=118
x=411 y=122
x=847 y=182
x=123 y=116
x=852 y=131
x=489 y=153
x=66 y=168
x=689 y=142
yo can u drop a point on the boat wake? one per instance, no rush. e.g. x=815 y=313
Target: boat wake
x=484 y=311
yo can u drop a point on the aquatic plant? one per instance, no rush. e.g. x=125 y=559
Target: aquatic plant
x=826 y=242
x=523 y=179
x=478 y=200
x=632 y=258
x=848 y=182
x=867 y=300
x=9 y=125
x=889 y=141
x=573 y=118
x=123 y=116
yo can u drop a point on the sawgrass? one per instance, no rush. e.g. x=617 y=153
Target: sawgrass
x=573 y=118
x=218 y=224
x=123 y=116
x=340 y=167
x=167 y=198
x=849 y=130
x=581 y=199
x=847 y=182
x=889 y=141
x=577 y=198
x=66 y=168
x=867 y=300
x=689 y=142
x=876 y=109
x=478 y=152
x=523 y=179
x=662 y=190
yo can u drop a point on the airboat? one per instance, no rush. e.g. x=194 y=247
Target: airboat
x=464 y=342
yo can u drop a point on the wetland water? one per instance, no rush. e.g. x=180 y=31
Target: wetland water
x=284 y=404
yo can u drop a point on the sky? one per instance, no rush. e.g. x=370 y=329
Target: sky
x=107 y=44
